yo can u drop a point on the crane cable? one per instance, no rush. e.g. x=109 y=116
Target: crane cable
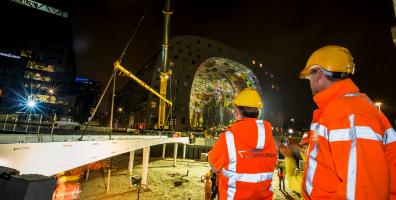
x=120 y=60
x=134 y=32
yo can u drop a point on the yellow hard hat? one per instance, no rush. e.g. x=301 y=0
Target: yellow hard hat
x=336 y=60
x=248 y=97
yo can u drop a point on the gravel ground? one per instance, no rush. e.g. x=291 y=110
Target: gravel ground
x=161 y=181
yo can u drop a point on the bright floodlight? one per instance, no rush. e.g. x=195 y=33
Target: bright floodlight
x=31 y=104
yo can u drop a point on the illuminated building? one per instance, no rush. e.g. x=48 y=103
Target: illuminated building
x=36 y=57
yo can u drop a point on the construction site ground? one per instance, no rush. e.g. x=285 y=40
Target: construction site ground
x=163 y=181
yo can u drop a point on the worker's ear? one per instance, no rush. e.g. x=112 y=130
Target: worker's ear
x=319 y=76
x=237 y=114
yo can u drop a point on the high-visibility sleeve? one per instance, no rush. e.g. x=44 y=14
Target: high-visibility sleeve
x=390 y=153
x=293 y=179
x=218 y=156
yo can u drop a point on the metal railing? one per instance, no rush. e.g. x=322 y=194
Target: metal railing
x=27 y=123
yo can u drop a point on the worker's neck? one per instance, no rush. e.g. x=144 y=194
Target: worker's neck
x=327 y=84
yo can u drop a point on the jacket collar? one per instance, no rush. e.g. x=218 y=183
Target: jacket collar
x=339 y=88
x=246 y=119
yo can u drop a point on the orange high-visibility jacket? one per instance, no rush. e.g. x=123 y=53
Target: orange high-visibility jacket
x=245 y=158
x=352 y=148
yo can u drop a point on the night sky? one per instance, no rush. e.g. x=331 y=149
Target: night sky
x=282 y=34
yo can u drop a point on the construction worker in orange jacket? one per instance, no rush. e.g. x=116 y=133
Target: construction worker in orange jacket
x=352 y=145
x=244 y=156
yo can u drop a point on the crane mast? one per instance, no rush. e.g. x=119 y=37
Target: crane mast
x=165 y=72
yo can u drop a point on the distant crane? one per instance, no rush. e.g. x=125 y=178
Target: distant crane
x=165 y=73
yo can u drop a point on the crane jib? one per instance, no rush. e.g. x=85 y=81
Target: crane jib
x=119 y=67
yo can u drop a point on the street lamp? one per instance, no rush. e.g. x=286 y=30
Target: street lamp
x=31 y=104
x=379 y=105
x=51 y=91
x=291 y=131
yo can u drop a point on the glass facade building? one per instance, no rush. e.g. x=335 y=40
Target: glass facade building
x=37 y=61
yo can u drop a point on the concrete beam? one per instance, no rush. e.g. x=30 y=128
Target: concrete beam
x=56 y=157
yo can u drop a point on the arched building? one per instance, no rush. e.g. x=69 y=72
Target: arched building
x=206 y=75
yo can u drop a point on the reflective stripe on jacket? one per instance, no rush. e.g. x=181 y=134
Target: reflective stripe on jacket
x=351 y=147
x=245 y=156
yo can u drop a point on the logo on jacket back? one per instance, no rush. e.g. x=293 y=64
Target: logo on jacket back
x=256 y=153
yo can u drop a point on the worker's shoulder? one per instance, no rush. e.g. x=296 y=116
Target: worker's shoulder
x=267 y=123
x=251 y=122
x=344 y=106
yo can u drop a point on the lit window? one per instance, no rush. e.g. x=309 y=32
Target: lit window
x=36 y=86
x=36 y=76
x=34 y=65
x=26 y=53
x=43 y=98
